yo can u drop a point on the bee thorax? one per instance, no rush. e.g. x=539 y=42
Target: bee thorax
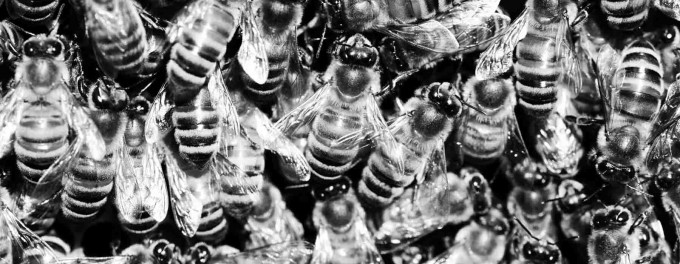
x=338 y=212
x=352 y=81
x=429 y=122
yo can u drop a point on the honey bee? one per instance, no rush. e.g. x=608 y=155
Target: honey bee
x=545 y=56
x=653 y=245
x=141 y=193
x=341 y=113
x=626 y=16
x=277 y=21
x=422 y=133
x=38 y=115
x=533 y=186
x=286 y=252
x=271 y=222
x=630 y=107
x=429 y=207
x=199 y=40
x=559 y=145
x=160 y=251
x=118 y=36
x=343 y=236
x=575 y=214
x=493 y=131
x=527 y=248
x=31 y=13
x=220 y=182
x=482 y=241
x=615 y=236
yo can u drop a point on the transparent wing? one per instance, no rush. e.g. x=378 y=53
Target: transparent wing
x=290 y=252
x=604 y=66
x=497 y=59
x=323 y=249
x=185 y=206
x=370 y=252
x=474 y=23
x=23 y=240
x=515 y=149
x=569 y=63
x=252 y=55
x=669 y=110
x=158 y=119
x=219 y=95
x=272 y=139
x=305 y=113
x=429 y=35
x=153 y=183
x=663 y=145
x=10 y=113
x=126 y=186
x=87 y=130
x=238 y=190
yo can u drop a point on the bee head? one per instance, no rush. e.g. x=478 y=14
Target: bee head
x=356 y=50
x=612 y=171
x=165 y=252
x=531 y=174
x=332 y=190
x=199 y=254
x=106 y=95
x=139 y=106
x=538 y=252
x=611 y=219
x=444 y=98
x=572 y=201
x=44 y=46
x=668 y=176
x=492 y=93
x=478 y=188
x=338 y=211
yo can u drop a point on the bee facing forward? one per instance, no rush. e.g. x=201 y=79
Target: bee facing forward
x=342 y=112
x=614 y=237
x=533 y=186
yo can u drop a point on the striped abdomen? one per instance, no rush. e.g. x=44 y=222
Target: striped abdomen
x=625 y=14
x=32 y=12
x=485 y=137
x=264 y=95
x=201 y=42
x=248 y=157
x=328 y=159
x=197 y=129
x=638 y=90
x=41 y=138
x=119 y=49
x=537 y=70
x=213 y=225
x=409 y=11
x=87 y=188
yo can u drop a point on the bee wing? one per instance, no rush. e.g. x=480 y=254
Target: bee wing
x=662 y=144
x=323 y=249
x=127 y=186
x=430 y=35
x=304 y=113
x=238 y=190
x=219 y=95
x=474 y=23
x=669 y=110
x=158 y=121
x=154 y=183
x=515 y=149
x=289 y=252
x=185 y=206
x=366 y=244
x=569 y=63
x=10 y=113
x=272 y=139
x=671 y=8
x=148 y=189
x=252 y=55
x=497 y=58
x=22 y=240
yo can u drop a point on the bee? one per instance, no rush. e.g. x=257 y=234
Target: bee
x=628 y=16
x=271 y=222
x=533 y=186
x=141 y=194
x=31 y=13
x=285 y=252
x=343 y=236
x=341 y=113
x=668 y=7
x=493 y=131
x=527 y=248
x=653 y=245
x=615 y=236
x=118 y=36
x=481 y=241
x=630 y=107
x=545 y=56
x=559 y=145
x=429 y=207
x=575 y=214
x=277 y=21
x=422 y=133
x=666 y=40
x=38 y=115
x=160 y=251
x=220 y=182
x=199 y=40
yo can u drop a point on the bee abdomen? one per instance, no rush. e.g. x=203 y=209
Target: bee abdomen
x=265 y=94
x=37 y=12
x=197 y=129
x=483 y=141
x=88 y=188
x=374 y=193
x=537 y=71
x=213 y=224
x=625 y=14
x=142 y=224
x=639 y=81
x=126 y=54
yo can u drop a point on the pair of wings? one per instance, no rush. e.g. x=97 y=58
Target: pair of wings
x=662 y=142
x=77 y=117
x=498 y=57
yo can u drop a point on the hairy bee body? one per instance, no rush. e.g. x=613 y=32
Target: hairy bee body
x=486 y=135
x=419 y=137
x=538 y=67
x=409 y=11
x=613 y=237
x=526 y=201
x=197 y=128
x=87 y=188
x=278 y=20
x=119 y=37
x=205 y=28
x=625 y=14
x=33 y=12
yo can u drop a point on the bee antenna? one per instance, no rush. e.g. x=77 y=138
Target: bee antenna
x=551 y=200
x=638 y=221
x=574 y=237
x=596 y=192
x=470 y=106
x=297 y=186
x=620 y=201
x=323 y=37
x=55 y=26
x=525 y=228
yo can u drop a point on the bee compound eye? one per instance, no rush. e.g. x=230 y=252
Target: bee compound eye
x=528 y=251
x=201 y=254
x=599 y=221
x=162 y=252
x=622 y=217
x=553 y=256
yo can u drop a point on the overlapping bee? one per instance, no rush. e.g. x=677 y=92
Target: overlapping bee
x=493 y=131
x=575 y=213
x=615 y=236
x=289 y=252
x=271 y=222
x=40 y=15
x=429 y=207
x=341 y=113
x=484 y=240
x=559 y=145
x=545 y=57
x=633 y=14
x=342 y=233
x=527 y=248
